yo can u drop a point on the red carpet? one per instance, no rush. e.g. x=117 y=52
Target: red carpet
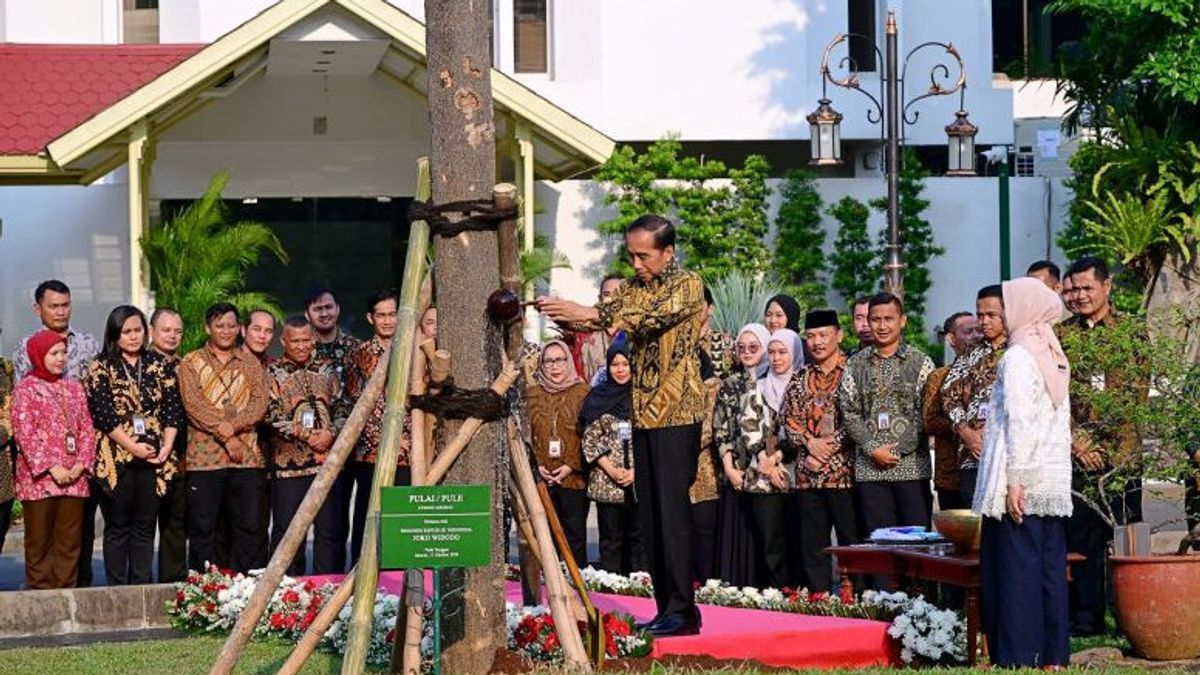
x=772 y=638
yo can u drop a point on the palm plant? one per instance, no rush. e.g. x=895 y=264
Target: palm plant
x=738 y=299
x=199 y=258
x=538 y=262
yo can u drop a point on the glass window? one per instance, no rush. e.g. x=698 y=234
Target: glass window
x=530 y=53
x=861 y=20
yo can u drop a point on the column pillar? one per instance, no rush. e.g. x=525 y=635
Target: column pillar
x=141 y=157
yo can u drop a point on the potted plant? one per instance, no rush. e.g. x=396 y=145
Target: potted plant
x=1158 y=399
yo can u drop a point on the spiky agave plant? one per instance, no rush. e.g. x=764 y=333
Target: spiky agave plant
x=199 y=258
x=739 y=299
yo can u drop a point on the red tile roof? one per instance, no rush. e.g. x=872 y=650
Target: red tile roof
x=47 y=90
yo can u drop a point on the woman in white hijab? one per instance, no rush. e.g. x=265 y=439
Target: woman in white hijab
x=1024 y=487
x=781 y=361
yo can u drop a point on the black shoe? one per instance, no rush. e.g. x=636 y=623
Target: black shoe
x=675 y=625
x=649 y=625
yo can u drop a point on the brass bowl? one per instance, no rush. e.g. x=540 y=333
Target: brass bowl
x=961 y=527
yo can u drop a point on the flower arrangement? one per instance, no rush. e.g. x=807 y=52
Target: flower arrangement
x=532 y=633
x=923 y=631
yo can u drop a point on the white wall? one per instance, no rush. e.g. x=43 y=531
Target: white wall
x=61 y=21
x=76 y=234
x=263 y=133
x=963 y=212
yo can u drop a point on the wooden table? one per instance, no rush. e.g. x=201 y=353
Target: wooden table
x=916 y=563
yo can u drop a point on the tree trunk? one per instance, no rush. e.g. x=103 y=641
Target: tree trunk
x=462 y=162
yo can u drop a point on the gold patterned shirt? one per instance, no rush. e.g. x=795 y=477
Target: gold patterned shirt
x=664 y=319
x=215 y=392
x=968 y=389
x=304 y=397
x=117 y=393
x=6 y=464
x=360 y=364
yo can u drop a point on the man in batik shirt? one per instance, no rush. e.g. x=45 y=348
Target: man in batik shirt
x=961 y=332
x=360 y=364
x=662 y=312
x=7 y=493
x=815 y=430
x=166 y=334
x=333 y=344
x=305 y=414
x=225 y=397
x=968 y=386
x=880 y=400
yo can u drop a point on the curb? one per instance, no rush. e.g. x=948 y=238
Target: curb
x=106 y=609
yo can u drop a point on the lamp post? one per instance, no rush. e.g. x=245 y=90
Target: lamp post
x=891 y=111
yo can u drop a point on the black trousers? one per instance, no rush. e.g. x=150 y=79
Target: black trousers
x=1089 y=535
x=824 y=510
x=666 y=466
x=286 y=496
x=621 y=548
x=951 y=499
x=770 y=536
x=172 y=532
x=130 y=515
x=262 y=551
x=87 y=534
x=966 y=485
x=1023 y=583
x=359 y=476
x=890 y=504
x=234 y=493
x=572 y=509
x=1191 y=503
x=704 y=539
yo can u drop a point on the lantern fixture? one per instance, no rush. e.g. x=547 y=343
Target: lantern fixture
x=960 y=135
x=825 y=134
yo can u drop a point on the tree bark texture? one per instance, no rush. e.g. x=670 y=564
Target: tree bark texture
x=462 y=161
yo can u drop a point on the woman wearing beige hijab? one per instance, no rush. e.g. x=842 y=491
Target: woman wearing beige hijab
x=1024 y=487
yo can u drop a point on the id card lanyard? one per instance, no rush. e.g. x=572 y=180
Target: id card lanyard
x=68 y=421
x=554 y=445
x=139 y=417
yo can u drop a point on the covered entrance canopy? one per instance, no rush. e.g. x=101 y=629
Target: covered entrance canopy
x=310 y=98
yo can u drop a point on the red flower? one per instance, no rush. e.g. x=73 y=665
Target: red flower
x=291 y=597
x=309 y=617
x=210 y=607
x=180 y=598
x=276 y=621
x=390 y=636
x=551 y=642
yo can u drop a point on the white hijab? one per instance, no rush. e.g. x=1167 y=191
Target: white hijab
x=774 y=385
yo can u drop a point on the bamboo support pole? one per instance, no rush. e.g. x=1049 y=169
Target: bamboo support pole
x=556 y=583
x=445 y=459
x=399 y=370
x=316 y=630
x=297 y=530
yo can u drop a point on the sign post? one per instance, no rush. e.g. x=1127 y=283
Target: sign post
x=432 y=527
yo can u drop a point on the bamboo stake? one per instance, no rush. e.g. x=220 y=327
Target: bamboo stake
x=316 y=630
x=556 y=583
x=399 y=371
x=298 y=528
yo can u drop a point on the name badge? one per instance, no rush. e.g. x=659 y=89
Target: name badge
x=70 y=443
x=883 y=421
x=983 y=412
x=624 y=431
x=308 y=419
x=555 y=448
x=139 y=425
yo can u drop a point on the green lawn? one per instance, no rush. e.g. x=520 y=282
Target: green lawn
x=183 y=656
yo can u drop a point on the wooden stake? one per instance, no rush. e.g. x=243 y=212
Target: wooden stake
x=399 y=371
x=298 y=528
x=556 y=583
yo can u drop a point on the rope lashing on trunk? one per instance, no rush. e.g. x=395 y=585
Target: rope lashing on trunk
x=475 y=215
x=459 y=404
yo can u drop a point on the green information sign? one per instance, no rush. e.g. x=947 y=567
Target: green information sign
x=437 y=526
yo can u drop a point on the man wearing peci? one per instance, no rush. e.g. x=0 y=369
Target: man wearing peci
x=662 y=311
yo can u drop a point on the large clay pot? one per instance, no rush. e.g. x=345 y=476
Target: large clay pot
x=1158 y=602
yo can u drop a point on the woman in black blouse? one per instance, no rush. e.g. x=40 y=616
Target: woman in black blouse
x=134 y=400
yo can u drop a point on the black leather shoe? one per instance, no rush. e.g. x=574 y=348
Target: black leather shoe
x=676 y=625
x=649 y=625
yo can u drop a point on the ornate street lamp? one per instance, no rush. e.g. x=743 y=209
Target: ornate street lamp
x=891 y=112
x=825 y=127
x=961 y=134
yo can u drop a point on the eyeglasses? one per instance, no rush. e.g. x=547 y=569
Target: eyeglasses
x=747 y=349
x=556 y=361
